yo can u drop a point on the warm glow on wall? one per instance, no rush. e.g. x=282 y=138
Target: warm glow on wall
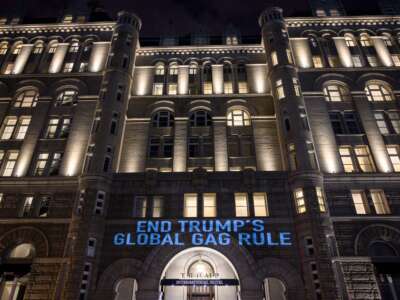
x=58 y=58
x=302 y=52
x=257 y=78
x=218 y=79
x=142 y=80
x=22 y=58
x=343 y=52
x=98 y=56
x=183 y=80
x=382 y=51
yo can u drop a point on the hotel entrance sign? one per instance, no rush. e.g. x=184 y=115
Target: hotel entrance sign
x=247 y=232
x=199 y=282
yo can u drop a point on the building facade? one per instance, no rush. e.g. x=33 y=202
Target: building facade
x=201 y=168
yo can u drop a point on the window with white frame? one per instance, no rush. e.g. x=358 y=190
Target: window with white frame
x=238 y=118
x=280 y=91
x=372 y=60
x=378 y=92
x=394 y=155
x=27 y=98
x=356 y=61
x=242 y=205
x=22 y=129
x=336 y=93
x=160 y=69
x=17 y=49
x=158 y=206
x=349 y=41
x=58 y=127
x=83 y=67
x=321 y=199
x=365 y=41
x=67 y=97
x=360 y=202
x=209 y=205
x=345 y=153
x=41 y=163
x=260 y=203
x=8 y=128
x=9 y=161
x=299 y=200
x=380 y=202
x=381 y=122
x=396 y=60
x=99 y=204
x=158 y=89
x=364 y=159
x=190 y=206
x=228 y=87
x=74 y=47
x=53 y=47
x=173 y=69
x=15 y=128
x=163 y=118
x=27 y=206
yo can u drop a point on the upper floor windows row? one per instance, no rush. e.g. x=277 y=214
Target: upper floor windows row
x=202 y=118
x=29 y=98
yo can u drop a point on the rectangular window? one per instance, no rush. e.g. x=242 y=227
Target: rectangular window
x=52 y=128
x=243 y=89
x=44 y=203
x=190 y=206
x=99 y=205
x=279 y=89
x=141 y=206
x=364 y=159
x=394 y=117
x=209 y=205
x=347 y=160
x=172 y=89
x=158 y=205
x=228 y=88
x=241 y=205
x=381 y=122
x=299 y=201
x=207 y=88
x=41 y=164
x=317 y=61
x=292 y=157
x=22 y=129
x=351 y=121
x=336 y=122
x=9 y=68
x=8 y=128
x=91 y=247
x=356 y=61
x=83 y=67
x=321 y=199
x=274 y=58
x=85 y=281
x=372 y=60
x=396 y=60
x=380 y=202
x=9 y=164
x=158 y=89
x=55 y=163
x=360 y=202
x=27 y=206
x=333 y=61
x=68 y=67
x=289 y=56
x=296 y=85
x=394 y=156
x=65 y=127
x=260 y=205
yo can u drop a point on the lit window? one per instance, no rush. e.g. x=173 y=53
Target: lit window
x=9 y=68
x=378 y=92
x=74 y=47
x=228 y=88
x=289 y=56
x=158 y=205
x=190 y=206
x=172 y=89
x=27 y=206
x=158 y=89
x=274 y=58
x=336 y=92
x=333 y=61
x=141 y=206
x=321 y=199
x=380 y=202
x=394 y=156
x=365 y=41
x=17 y=49
x=67 y=97
x=160 y=69
x=39 y=47
x=3 y=48
x=26 y=98
x=22 y=128
x=347 y=160
x=200 y=118
x=192 y=69
x=83 y=67
x=163 y=118
x=8 y=128
x=209 y=205
x=173 y=70
x=299 y=201
x=387 y=40
x=238 y=118
x=24 y=250
x=9 y=163
x=364 y=159
x=241 y=205
x=279 y=89
x=372 y=60
x=260 y=205
x=317 y=61
x=394 y=117
x=68 y=67
x=207 y=88
x=243 y=89
x=53 y=48
x=396 y=60
x=360 y=202
x=381 y=122
x=296 y=85
x=356 y=61
x=349 y=41
x=44 y=203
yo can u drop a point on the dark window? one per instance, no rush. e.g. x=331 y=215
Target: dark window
x=163 y=119
x=200 y=118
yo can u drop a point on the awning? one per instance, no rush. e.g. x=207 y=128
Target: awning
x=199 y=282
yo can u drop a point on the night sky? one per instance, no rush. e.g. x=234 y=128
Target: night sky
x=180 y=17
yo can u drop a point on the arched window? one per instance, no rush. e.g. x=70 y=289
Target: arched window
x=74 y=47
x=39 y=47
x=274 y=289
x=335 y=92
x=3 y=48
x=160 y=69
x=163 y=118
x=52 y=47
x=126 y=289
x=238 y=118
x=378 y=92
x=17 y=48
x=173 y=69
x=365 y=40
x=193 y=69
x=67 y=97
x=381 y=248
x=27 y=98
x=350 y=42
x=24 y=250
x=200 y=118
x=387 y=39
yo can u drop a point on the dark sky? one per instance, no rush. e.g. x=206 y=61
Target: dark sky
x=180 y=17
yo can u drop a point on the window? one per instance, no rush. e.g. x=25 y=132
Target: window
x=378 y=92
x=292 y=157
x=228 y=87
x=41 y=164
x=280 y=89
x=296 y=85
x=207 y=88
x=241 y=205
x=58 y=127
x=172 y=89
x=8 y=128
x=347 y=160
x=9 y=68
x=380 y=202
x=27 y=98
x=321 y=199
x=99 y=204
x=158 y=205
x=209 y=205
x=27 y=206
x=200 y=118
x=22 y=128
x=161 y=147
x=85 y=281
x=91 y=247
x=364 y=159
x=317 y=61
x=14 y=128
x=67 y=97
x=163 y=118
x=74 y=48
x=349 y=41
x=55 y=163
x=357 y=61
x=200 y=146
x=17 y=49
x=381 y=122
x=333 y=61
x=352 y=123
x=173 y=70
x=238 y=118
x=141 y=206
x=336 y=93
x=274 y=58
x=53 y=48
x=160 y=69
x=394 y=117
x=190 y=206
x=243 y=89
x=372 y=60
x=158 y=89
x=365 y=41
x=3 y=48
x=48 y=164
x=68 y=67
x=394 y=155
x=360 y=202
x=289 y=56
x=83 y=67
x=299 y=201
x=336 y=121
x=9 y=162
x=192 y=69
x=260 y=205
x=44 y=203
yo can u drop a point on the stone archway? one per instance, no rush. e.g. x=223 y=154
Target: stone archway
x=373 y=233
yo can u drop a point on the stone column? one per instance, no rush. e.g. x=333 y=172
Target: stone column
x=58 y=58
x=382 y=51
x=220 y=145
x=22 y=59
x=343 y=52
x=98 y=56
x=183 y=80
x=180 y=145
x=218 y=79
